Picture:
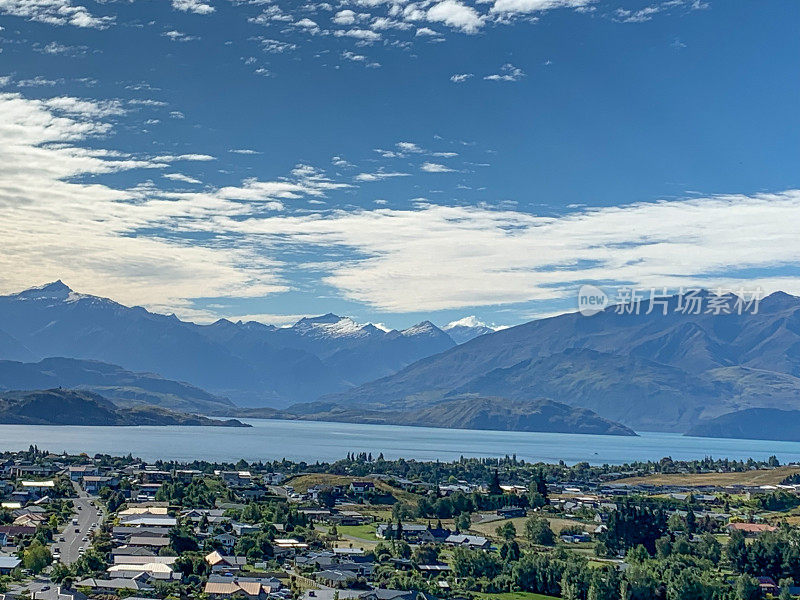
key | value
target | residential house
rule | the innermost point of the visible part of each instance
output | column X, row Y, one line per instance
column 359, row 488
column 470, row 541
column 511, row 512
column 94, row 483
column 8, row 564
column 335, row 578
column 226, row 540
column 234, row 587
column 750, row 529
column 138, row 584
column 244, row 528
column 222, row 563
column 78, row 472
column 16, row 533
column 411, row 532
column 58, row 593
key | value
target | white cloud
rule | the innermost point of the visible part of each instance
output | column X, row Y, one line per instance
column 54, row 12
column 275, row 46
column 344, row 17
column 430, row 167
column 80, row 107
column 179, row 36
column 455, row 14
column 59, row 49
column 347, row 54
column 243, row 151
column 197, row 7
column 93, row 235
column 360, row 34
column 508, row 72
column 177, row 157
column 409, row 147
column 181, row 177
column 488, row 257
column 37, row 81
column 379, row 175
column 461, row 77
column 530, row 6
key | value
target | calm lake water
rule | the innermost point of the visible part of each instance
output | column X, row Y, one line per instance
column 312, row 441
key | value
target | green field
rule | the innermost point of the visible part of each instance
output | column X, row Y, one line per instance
column 362, row 532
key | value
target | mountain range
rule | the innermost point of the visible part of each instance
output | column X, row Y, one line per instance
column 251, row 363
column 659, row 372
column 651, row 371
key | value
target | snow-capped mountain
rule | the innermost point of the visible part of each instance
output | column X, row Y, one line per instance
column 251, row 363
column 466, row 329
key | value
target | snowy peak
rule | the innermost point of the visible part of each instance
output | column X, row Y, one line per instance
column 463, row 330
column 57, row 290
column 425, row 328
column 333, row 326
column 327, row 319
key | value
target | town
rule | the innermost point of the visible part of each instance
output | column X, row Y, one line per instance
column 364, row 527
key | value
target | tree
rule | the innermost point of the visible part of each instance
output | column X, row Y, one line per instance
column 747, row 588
column 463, row 521
column 427, row 554
column 736, row 551
column 691, row 522
column 494, row 485
column 538, row 490
column 36, row 557
column 537, row 531
column 507, row 531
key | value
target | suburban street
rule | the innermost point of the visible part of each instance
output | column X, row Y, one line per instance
column 86, row 514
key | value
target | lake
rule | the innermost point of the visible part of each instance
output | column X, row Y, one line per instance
column 312, row 441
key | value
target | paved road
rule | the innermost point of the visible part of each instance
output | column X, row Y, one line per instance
column 24, row 590
column 86, row 514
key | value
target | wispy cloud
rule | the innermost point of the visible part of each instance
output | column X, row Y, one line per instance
column 430, row 167
column 508, row 72
column 461, row 77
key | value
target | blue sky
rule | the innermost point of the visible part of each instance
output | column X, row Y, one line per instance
column 396, row 160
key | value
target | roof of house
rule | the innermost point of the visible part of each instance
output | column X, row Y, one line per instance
column 752, row 527
column 148, row 540
column 144, row 560
column 332, row 575
column 9, row 562
column 150, row 567
column 470, row 540
column 251, row 588
column 116, row 584
column 215, row 558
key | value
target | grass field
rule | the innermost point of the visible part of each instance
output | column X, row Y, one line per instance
column 301, row 483
column 362, row 532
column 556, row 524
column 759, row 477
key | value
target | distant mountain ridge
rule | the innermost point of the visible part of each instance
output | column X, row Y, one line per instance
column 498, row 414
column 250, row 363
column 122, row 387
column 754, row 424
column 71, row 407
column 662, row 372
